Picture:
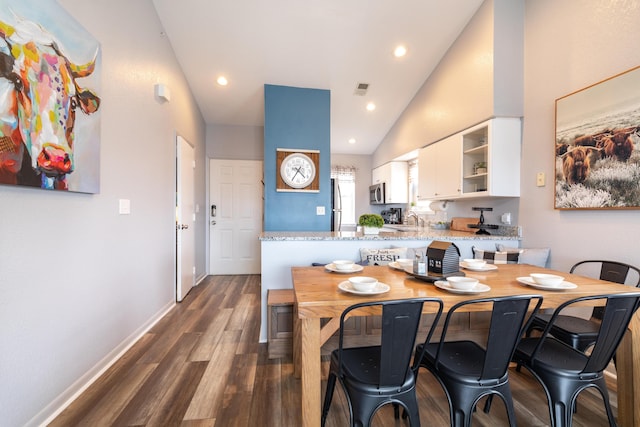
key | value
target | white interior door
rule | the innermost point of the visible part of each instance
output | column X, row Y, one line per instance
column 235, row 216
column 185, row 218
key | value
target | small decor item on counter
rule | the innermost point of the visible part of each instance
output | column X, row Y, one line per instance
column 440, row 225
column 419, row 264
column 371, row 223
column 481, row 226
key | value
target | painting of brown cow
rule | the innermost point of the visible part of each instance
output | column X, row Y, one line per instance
column 40, row 93
column 576, row 165
column 619, row 146
column 600, row 127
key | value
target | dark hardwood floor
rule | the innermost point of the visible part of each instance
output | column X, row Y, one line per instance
column 202, row 365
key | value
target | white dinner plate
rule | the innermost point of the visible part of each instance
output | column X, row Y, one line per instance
column 396, row 265
column 561, row 287
column 355, row 269
column 477, row 289
column 380, row 288
column 486, row 267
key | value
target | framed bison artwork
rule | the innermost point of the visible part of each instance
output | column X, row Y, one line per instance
column 49, row 98
column 596, row 152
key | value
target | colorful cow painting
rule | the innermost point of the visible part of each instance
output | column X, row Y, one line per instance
column 39, row 96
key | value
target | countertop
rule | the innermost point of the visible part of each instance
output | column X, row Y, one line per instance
column 419, row 234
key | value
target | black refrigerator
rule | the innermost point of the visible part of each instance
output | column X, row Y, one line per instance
column 336, row 206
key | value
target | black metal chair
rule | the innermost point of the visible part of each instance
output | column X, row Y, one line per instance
column 576, row 331
column 373, row 376
column 565, row 371
column 468, row 371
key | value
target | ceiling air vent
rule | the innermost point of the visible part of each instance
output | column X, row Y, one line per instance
column 361, row 89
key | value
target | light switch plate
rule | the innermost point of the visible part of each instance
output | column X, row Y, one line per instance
column 540, row 179
column 124, row 206
column 319, row 210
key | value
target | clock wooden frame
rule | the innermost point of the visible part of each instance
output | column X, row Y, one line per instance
column 281, row 185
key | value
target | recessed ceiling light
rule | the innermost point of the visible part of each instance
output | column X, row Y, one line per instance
column 352, row 140
column 400, row 51
column 371, row 106
column 222, row 81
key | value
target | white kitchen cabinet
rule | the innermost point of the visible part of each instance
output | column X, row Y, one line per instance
column 439, row 170
column 494, row 146
column 481, row 161
column 395, row 175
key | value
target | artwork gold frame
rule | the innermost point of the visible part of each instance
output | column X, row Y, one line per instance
column 597, row 155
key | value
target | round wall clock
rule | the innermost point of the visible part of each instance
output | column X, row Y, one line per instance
column 298, row 170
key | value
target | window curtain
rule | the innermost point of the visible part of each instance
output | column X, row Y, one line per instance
column 346, row 174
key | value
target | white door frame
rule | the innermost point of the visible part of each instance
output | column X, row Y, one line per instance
column 185, row 218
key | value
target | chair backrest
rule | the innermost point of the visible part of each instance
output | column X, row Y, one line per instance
column 617, row 313
column 612, row 271
column 400, row 321
column 508, row 322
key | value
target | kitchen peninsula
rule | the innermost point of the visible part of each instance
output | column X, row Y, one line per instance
column 282, row 250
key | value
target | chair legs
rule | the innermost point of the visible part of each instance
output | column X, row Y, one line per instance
column 363, row 409
column 563, row 401
column 328, row 396
column 462, row 412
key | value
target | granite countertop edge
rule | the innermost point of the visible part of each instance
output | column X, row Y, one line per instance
column 426, row 234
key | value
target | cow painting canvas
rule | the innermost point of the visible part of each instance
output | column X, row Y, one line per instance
column 597, row 149
column 49, row 98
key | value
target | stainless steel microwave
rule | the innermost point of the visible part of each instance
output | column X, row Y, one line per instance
column 376, row 194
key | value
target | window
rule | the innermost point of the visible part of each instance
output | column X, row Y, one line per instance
column 346, row 176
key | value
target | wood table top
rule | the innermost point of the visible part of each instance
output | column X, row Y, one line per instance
column 317, row 293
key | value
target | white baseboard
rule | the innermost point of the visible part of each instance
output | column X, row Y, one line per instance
column 200, row 279
column 53, row 409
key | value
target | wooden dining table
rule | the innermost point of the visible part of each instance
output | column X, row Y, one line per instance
column 318, row 296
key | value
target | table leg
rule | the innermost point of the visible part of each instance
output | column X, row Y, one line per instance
column 311, row 371
column 296, row 342
column 627, row 368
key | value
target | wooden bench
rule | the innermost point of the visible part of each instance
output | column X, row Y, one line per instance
column 280, row 323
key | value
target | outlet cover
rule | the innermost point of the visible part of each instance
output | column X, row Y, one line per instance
column 319, row 210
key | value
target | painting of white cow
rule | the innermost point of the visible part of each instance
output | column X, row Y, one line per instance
column 49, row 102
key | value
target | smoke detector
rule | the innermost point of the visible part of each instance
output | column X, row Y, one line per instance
column 361, row 89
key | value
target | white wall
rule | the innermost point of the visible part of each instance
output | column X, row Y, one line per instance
column 571, row 44
column 464, row 89
column 235, row 142
column 78, row 281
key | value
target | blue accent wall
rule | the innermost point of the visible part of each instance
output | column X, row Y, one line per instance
column 296, row 118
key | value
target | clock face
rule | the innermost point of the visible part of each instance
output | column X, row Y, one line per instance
column 297, row 170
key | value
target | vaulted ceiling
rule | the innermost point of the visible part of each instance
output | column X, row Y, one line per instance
column 323, row 44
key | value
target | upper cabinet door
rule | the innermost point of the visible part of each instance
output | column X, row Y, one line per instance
column 395, row 175
column 439, row 166
column 491, row 158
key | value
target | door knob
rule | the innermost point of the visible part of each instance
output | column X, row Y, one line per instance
column 183, row 226
column 213, row 222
